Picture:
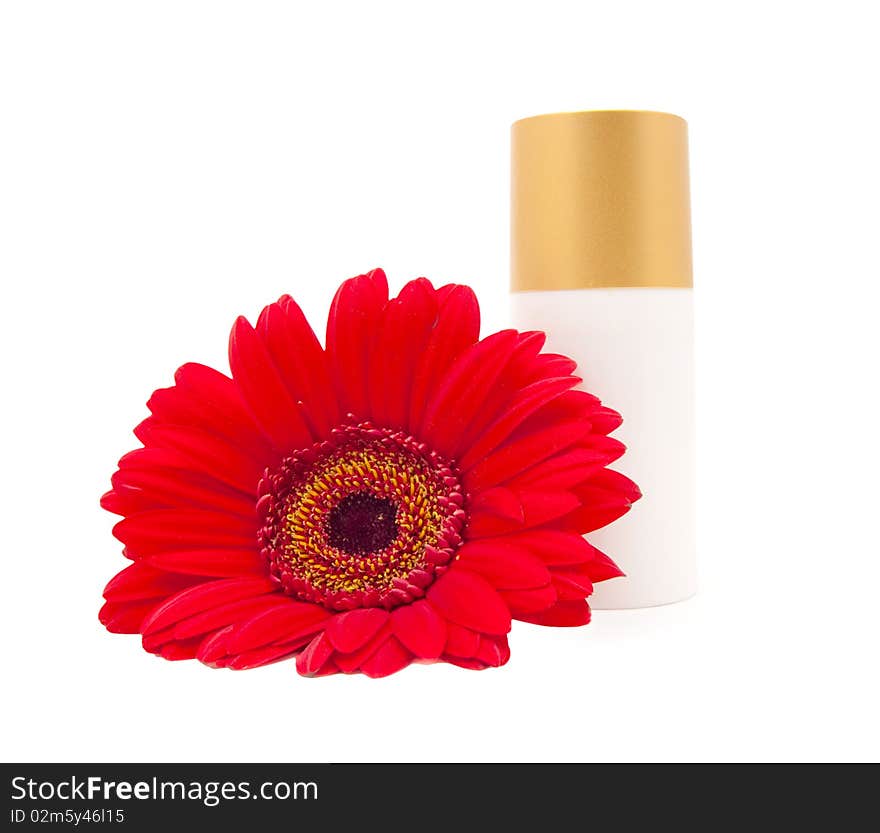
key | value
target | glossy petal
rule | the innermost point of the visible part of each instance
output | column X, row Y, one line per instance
column 391, row 657
column 350, row 631
column 420, row 629
column 505, row 566
column 564, row 614
column 457, row 327
column 467, row 599
column 355, row 315
column 264, row 391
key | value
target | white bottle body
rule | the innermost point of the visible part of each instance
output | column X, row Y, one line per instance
column 634, row 349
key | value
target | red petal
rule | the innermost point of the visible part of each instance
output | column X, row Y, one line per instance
column 125, row 500
column 175, row 529
column 206, row 399
column 171, row 488
column 264, row 655
column 460, row 394
column 301, row 364
column 467, row 599
column 458, row 326
column 313, row 357
column 555, row 547
column 524, row 404
column 602, row 568
column 494, row 652
column 552, row 364
column 499, row 501
column 505, row 566
column 349, row 663
column 461, row 642
column 353, row 629
column 604, row 498
column 400, row 341
column 570, row 586
column 212, row 649
column 568, row 468
column 279, row 625
column 215, row 562
column 567, row 614
column 420, row 629
column 205, row 596
column 528, row 600
column 470, row 664
column 605, row 420
column 539, row 507
column 139, row 581
column 310, row 662
column 262, row 389
column 391, row 657
column 228, row 614
column 195, row 448
column 353, row 320
column 125, row 617
column 520, row 454
column 174, row 651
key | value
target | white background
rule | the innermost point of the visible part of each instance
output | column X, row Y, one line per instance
column 168, row 165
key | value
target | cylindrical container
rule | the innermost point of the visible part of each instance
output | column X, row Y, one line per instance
column 601, row 260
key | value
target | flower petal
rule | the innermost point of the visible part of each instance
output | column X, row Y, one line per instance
column 524, row 404
column 301, row 363
column 351, row 662
column 569, row 468
column 185, row 488
column 603, row 499
column 400, row 341
column 468, row 599
column 195, row 448
column 391, row 657
column 125, row 617
column 528, row 600
column 278, row 625
column 176, row 529
column 420, row 629
column 206, row 399
column 505, row 566
column 263, row 391
column 232, row 613
column 538, row 507
column 315, row 656
column 139, row 581
column 567, row 614
column 522, row 453
column 217, row 563
column 461, row 641
column 458, row 327
column 203, row 597
column 265, row 655
column 499, row 501
column 493, row 651
column 460, row 394
column 353, row 629
column 555, row 547
column 570, row 585
column 353, row 320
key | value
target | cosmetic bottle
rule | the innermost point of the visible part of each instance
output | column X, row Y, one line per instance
column 601, row 260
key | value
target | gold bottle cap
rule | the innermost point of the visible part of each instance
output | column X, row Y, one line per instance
column 600, row 198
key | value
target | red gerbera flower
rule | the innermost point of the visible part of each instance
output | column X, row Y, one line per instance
column 397, row 496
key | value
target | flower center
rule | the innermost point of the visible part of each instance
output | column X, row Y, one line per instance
column 368, row 518
column 362, row 523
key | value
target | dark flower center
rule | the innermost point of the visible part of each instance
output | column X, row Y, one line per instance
column 368, row 517
column 362, row 523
